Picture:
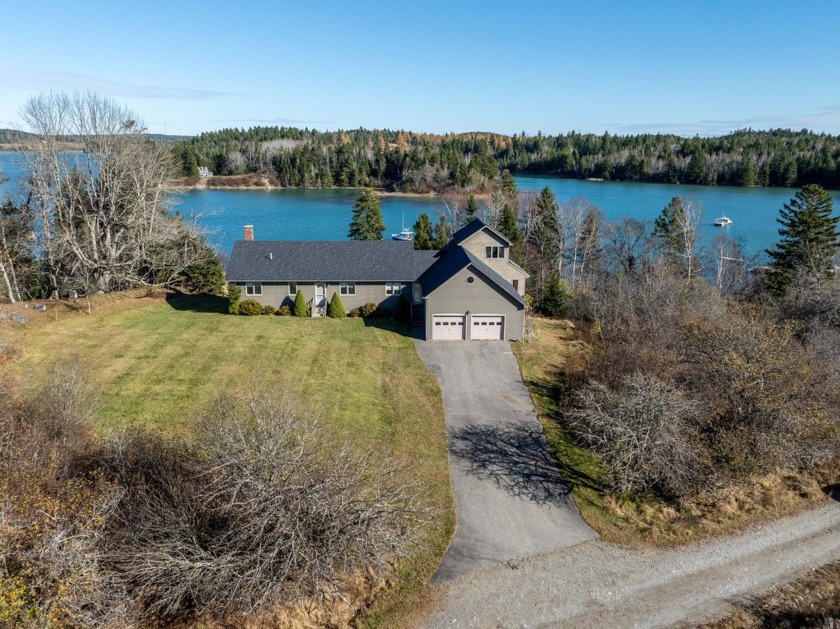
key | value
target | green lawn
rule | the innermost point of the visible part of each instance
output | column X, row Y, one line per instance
column 158, row 361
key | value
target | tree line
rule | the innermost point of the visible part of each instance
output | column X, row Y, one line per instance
column 422, row 162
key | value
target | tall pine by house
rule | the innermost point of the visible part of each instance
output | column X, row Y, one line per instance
column 810, row 238
column 423, row 232
column 367, row 221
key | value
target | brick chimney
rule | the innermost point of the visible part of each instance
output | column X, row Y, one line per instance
column 249, row 232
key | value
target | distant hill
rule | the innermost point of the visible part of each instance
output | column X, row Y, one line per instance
column 13, row 137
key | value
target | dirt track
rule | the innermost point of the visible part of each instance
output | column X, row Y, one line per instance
column 595, row 584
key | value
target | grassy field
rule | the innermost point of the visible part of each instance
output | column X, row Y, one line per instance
column 557, row 352
column 159, row 360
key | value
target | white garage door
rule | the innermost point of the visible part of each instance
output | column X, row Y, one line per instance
column 487, row 328
column 448, row 327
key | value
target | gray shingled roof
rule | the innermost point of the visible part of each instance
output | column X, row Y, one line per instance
column 326, row 261
column 474, row 226
column 453, row 261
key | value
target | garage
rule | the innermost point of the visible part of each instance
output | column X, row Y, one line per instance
column 487, row 328
column 448, row 327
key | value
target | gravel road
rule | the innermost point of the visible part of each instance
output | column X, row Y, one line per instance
column 597, row 585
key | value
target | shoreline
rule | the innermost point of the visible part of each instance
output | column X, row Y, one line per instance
column 186, row 185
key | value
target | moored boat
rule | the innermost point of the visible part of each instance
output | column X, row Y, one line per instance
column 723, row 221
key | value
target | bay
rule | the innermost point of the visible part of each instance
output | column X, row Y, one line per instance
column 324, row 214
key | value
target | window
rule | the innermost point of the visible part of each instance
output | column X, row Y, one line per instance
column 293, row 288
column 470, row 279
column 494, row 252
column 515, row 284
column 347, row 289
column 253, row 289
column 393, row 288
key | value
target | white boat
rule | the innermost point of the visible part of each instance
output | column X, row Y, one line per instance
column 723, row 221
column 405, row 234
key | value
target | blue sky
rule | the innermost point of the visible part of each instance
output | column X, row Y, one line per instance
column 624, row 67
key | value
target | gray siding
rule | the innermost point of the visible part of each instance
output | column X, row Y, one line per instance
column 480, row 298
column 277, row 294
column 476, row 244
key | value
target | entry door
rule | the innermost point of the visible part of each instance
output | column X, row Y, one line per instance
column 321, row 299
column 487, row 328
column 448, row 327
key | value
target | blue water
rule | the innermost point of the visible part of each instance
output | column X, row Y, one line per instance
column 325, row 214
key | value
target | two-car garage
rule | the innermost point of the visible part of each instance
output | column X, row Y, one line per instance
column 480, row 327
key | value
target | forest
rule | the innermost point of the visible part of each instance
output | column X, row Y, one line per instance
column 421, row 162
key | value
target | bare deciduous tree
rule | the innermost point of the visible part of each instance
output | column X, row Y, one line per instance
column 101, row 214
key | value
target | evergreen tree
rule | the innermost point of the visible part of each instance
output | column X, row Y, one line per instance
column 546, row 231
column 300, row 309
column 809, row 237
column 423, row 236
column 335, row 308
column 472, row 209
column 367, row 217
column 234, row 298
column 556, row 298
column 441, row 234
column 508, row 227
column 696, row 171
column 676, row 225
column 508, row 185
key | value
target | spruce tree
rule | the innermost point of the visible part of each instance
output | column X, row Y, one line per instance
column 809, row 237
column 676, row 225
column 335, row 309
column 367, row 217
column 508, row 227
column 472, row 209
column 423, row 236
column 441, row 234
column 300, row 309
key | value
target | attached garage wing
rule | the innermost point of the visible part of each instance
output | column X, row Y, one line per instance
column 487, row 328
column 448, row 327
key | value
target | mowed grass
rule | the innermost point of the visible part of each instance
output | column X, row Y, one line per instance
column 159, row 362
column 557, row 356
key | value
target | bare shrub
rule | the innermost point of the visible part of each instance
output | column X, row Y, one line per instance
column 771, row 399
column 647, row 433
column 267, row 509
column 51, row 525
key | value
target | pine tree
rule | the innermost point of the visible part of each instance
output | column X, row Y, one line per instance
column 508, row 227
column 300, row 309
column 423, row 236
column 677, row 225
column 234, row 298
column 367, row 217
column 810, row 237
column 441, row 234
column 472, row 209
column 335, row 309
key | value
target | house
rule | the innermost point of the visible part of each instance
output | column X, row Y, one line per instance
column 469, row 290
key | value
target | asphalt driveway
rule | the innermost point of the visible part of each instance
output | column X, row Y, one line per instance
column 510, row 498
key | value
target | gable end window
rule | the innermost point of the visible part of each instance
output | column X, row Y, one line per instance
column 347, row 288
column 293, row 288
column 393, row 288
column 494, row 252
column 253, row 289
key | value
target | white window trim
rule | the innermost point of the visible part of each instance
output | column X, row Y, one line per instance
column 393, row 288
column 254, row 289
column 293, row 292
column 347, row 288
